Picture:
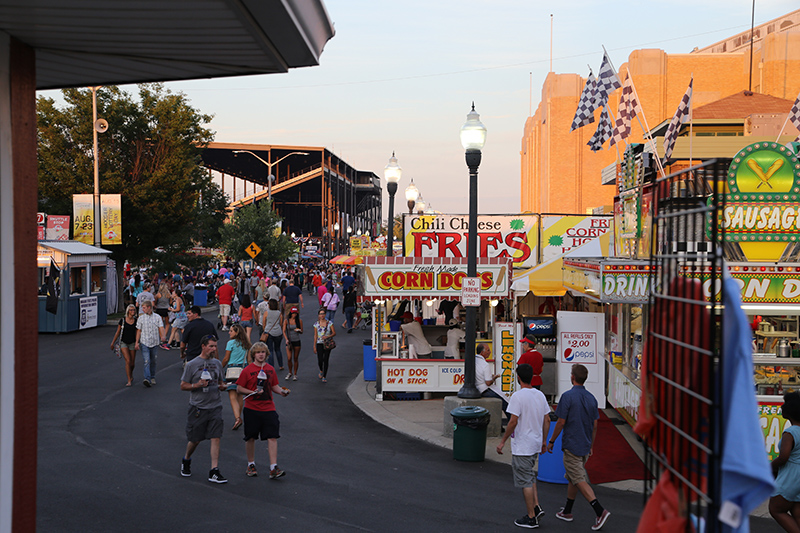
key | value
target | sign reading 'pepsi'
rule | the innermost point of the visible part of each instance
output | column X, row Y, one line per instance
column 540, row 326
column 579, row 347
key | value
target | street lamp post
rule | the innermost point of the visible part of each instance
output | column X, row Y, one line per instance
column 392, row 173
column 412, row 193
column 336, row 233
column 473, row 138
column 270, row 177
column 419, row 206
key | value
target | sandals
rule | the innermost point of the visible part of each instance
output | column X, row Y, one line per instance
column 237, row 424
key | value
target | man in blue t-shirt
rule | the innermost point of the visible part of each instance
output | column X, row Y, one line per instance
column 577, row 416
column 292, row 295
column 347, row 281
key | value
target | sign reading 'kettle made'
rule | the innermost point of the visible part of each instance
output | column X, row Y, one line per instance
column 763, row 202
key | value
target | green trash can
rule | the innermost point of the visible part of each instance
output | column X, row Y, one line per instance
column 469, row 432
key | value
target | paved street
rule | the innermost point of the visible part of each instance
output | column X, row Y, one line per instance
column 109, row 458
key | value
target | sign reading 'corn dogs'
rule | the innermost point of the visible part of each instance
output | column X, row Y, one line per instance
column 432, row 280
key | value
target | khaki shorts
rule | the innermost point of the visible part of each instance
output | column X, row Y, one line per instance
column 575, row 467
column 224, row 310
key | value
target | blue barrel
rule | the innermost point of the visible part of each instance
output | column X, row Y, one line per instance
column 370, row 368
column 551, row 465
column 200, row 296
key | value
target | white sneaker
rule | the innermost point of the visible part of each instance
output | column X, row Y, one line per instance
column 288, row 376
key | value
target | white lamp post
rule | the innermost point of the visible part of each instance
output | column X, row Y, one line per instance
column 412, row 193
column 392, row 173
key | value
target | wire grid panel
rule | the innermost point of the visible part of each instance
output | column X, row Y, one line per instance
column 681, row 374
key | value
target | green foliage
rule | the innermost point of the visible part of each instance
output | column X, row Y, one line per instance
column 256, row 223
column 150, row 154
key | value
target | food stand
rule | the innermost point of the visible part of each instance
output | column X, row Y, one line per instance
column 424, row 283
column 81, row 285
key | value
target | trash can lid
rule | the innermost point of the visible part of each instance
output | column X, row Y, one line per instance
column 469, row 411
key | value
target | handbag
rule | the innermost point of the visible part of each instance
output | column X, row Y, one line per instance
column 328, row 343
column 232, row 373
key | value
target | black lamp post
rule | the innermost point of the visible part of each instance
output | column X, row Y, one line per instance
column 473, row 138
column 412, row 193
column 392, row 173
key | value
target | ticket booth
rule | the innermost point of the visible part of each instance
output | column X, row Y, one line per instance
column 81, row 285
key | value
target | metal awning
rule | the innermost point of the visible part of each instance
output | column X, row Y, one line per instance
column 104, row 42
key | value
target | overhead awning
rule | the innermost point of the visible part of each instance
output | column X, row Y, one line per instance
column 347, row 260
column 546, row 279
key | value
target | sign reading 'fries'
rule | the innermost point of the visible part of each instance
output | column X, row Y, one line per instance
column 763, row 195
column 431, row 280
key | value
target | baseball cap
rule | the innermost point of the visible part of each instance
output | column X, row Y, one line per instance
column 226, row 280
column 529, row 340
column 452, row 322
column 408, row 315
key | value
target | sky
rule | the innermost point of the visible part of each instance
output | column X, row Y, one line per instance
column 401, row 76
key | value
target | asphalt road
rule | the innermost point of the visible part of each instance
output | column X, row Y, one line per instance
column 109, row 458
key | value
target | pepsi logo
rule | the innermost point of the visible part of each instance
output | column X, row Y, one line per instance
column 568, row 354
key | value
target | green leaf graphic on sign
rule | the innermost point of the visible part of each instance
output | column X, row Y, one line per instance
column 555, row 240
column 517, row 224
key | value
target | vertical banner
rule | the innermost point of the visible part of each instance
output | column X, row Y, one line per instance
column 58, row 228
column 581, row 339
column 504, row 358
column 111, row 218
column 83, row 214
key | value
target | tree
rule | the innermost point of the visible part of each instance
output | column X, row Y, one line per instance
column 256, row 224
column 150, row 154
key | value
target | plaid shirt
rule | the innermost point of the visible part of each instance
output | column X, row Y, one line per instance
column 149, row 324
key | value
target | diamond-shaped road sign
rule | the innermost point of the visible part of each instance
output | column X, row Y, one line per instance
column 253, row 250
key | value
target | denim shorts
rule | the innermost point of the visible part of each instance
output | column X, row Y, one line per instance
column 246, row 323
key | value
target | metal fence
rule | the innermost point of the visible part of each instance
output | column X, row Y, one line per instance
column 681, row 372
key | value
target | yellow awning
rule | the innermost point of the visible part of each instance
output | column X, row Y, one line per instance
column 541, row 280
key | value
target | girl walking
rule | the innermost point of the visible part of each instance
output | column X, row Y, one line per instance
column 292, row 329
column 127, row 341
column 235, row 358
column 324, row 332
column 272, row 323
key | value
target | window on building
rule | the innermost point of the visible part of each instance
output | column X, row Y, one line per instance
column 77, row 281
column 98, row 279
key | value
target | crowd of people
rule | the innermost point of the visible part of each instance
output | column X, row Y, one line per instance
column 160, row 314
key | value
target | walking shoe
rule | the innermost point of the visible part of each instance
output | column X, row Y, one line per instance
column 146, row 383
column 538, row 512
column 214, row 476
column 251, row 471
column 294, row 378
column 527, row 521
column 288, row 376
column 164, row 346
column 566, row 517
column 186, row 467
column 152, row 381
column 276, row 472
column 601, row 520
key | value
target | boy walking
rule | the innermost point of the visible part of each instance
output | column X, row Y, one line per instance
column 528, row 427
column 257, row 382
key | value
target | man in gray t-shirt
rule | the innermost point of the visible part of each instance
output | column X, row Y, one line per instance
column 203, row 379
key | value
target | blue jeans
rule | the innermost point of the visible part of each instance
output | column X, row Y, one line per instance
column 274, row 346
column 349, row 314
column 149, row 356
column 330, row 314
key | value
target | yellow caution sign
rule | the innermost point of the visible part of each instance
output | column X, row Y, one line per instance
column 253, row 250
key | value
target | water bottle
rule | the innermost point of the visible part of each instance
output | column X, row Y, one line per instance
column 207, row 376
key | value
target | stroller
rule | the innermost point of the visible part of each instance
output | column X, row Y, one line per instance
column 365, row 315
column 232, row 319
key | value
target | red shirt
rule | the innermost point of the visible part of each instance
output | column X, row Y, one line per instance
column 249, row 380
column 534, row 358
column 225, row 294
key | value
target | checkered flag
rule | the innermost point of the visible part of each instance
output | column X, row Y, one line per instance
column 794, row 115
column 602, row 133
column 628, row 109
column 586, row 105
column 607, row 82
column 682, row 115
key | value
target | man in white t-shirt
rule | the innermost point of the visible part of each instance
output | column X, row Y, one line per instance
column 414, row 336
column 528, row 428
column 486, row 379
column 454, row 336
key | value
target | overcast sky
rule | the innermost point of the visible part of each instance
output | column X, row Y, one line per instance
column 401, row 76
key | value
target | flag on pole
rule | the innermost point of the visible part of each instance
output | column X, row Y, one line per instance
column 602, row 133
column 628, row 109
column 682, row 115
column 53, row 284
column 607, row 82
column 586, row 105
column 794, row 115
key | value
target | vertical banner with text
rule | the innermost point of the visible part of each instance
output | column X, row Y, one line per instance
column 111, row 218
column 504, row 358
column 83, row 214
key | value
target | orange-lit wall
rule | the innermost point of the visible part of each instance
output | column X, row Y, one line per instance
column 558, row 171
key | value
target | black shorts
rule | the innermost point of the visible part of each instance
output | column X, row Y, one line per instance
column 295, row 344
column 203, row 424
column 264, row 424
column 163, row 313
